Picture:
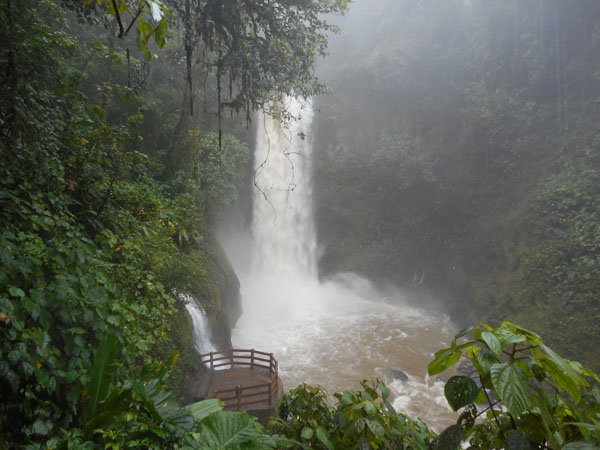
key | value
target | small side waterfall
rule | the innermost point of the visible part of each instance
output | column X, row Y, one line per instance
column 201, row 334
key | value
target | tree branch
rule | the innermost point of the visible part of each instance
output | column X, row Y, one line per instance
column 133, row 21
column 119, row 21
column 494, row 413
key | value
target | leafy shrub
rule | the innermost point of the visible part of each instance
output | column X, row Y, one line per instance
column 531, row 397
column 364, row 419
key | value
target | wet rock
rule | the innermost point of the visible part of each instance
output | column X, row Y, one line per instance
column 396, row 375
column 223, row 296
column 196, row 385
column 441, row 379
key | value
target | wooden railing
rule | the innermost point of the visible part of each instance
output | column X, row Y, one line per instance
column 243, row 396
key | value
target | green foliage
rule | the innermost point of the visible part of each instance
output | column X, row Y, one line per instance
column 100, row 376
column 141, row 14
column 460, row 391
column 548, row 401
column 257, row 53
column 228, row 430
column 88, row 241
column 560, row 271
column 217, row 171
column 364, row 419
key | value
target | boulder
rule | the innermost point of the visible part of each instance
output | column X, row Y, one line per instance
column 396, row 375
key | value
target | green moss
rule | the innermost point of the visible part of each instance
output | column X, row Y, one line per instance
column 182, row 340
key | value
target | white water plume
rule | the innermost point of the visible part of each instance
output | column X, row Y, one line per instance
column 201, row 334
column 284, row 237
column 333, row 333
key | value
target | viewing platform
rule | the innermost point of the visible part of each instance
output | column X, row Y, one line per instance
column 245, row 380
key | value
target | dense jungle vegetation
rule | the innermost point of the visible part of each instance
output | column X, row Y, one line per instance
column 122, row 146
column 459, row 155
column 114, row 166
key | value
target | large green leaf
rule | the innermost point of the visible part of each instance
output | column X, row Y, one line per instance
column 322, row 436
column 160, row 32
column 180, row 417
column 100, row 377
column 507, row 337
column 443, row 359
column 463, row 332
column 204, row 408
column 486, row 359
column 561, row 379
column 228, row 430
column 376, row 428
column 108, row 409
column 511, row 387
column 530, row 336
column 492, row 342
column 565, row 366
column 307, row 433
column 460, row 391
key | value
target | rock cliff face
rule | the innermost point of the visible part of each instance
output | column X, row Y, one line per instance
column 220, row 298
column 225, row 286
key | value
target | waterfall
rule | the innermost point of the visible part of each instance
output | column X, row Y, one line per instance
column 332, row 333
column 201, row 334
column 283, row 228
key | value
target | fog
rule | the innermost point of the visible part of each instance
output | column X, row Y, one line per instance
column 430, row 157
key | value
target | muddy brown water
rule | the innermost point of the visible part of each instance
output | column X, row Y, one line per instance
column 328, row 335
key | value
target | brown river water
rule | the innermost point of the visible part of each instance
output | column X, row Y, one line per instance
column 326, row 334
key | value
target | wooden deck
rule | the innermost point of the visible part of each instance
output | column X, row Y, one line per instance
column 245, row 380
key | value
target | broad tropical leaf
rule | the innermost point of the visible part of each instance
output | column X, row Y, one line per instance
column 307, row 433
column 561, row 379
column 578, row 445
column 460, row 391
column 486, row 359
column 443, row 359
column 492, row 342
column 227, row 430
column 100, row 377
column 516, row 440
column 463, row 332
column 512, row 388
column 204, row 408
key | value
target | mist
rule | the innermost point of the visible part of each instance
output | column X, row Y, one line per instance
column 454, row 136
column 434, row 160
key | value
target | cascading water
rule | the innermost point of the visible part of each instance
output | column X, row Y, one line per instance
column 334, row 333
column 201, row 335
column 284, row 237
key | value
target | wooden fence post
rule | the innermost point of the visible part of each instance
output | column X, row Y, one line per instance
column 211, row 360
column 270, row 394
column 252, row 359
column 238, row 394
